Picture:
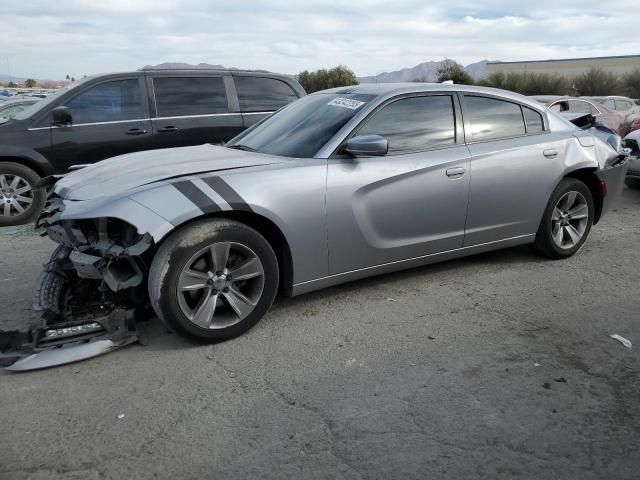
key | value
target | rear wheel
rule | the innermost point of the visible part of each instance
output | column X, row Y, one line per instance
column 567, row 220
column 19, row 202
column 213, row 280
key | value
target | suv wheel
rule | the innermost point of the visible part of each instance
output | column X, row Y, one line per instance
column 19, row 202
column 567, row 220
column 213, row 280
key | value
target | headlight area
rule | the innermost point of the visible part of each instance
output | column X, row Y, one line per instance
column 91, row 294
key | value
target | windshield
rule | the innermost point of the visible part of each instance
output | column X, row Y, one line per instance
column 303, row 127
column 36, row 107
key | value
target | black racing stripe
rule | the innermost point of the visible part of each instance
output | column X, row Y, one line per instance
column 197, row 196
column 229, row 194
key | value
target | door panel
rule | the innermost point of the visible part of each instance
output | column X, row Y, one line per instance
column 386, row 209
column 510, row 187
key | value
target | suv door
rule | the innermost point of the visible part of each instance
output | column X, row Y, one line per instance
column 108, row 119
column 259, row 97
column 515, row 164
column 193, row 109
column 411, row 202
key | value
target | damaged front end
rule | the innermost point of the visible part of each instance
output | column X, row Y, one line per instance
column 90, row 294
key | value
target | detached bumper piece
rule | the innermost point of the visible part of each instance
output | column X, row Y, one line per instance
column 78, row 321
column 67, row 342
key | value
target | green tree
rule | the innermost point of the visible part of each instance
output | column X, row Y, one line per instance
column 30, row 83
column 73, row 79
column 597, row 81
column 631, row 83
column 529, row 83
column 322, row 79
column 451, row 70
column 12, row 85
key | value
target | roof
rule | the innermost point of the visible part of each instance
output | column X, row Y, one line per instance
column 391, row 89
column 567, row 59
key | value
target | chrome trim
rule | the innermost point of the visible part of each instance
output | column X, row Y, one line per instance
column 258, row 113
column 338, row 278
column 198, row 116
column 88, row 124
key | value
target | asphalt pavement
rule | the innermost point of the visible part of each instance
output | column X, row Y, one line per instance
column 495, row 366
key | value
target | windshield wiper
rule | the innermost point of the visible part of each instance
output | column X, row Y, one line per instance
column 242, row 147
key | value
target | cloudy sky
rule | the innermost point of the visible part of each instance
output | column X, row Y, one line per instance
column 48, row 39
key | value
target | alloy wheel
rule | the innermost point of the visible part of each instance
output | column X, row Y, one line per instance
column 16, row 195
column 569, row 220
column 220, row 285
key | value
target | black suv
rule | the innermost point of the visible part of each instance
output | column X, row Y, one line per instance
column 108, row 115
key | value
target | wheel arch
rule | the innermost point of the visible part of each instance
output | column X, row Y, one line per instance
column 269, row 230
column 589, row 178
column 29, row 162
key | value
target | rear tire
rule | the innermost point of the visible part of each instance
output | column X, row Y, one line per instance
column 567, row 220
column 19, row 202
column 633, row 183
column 213, row 280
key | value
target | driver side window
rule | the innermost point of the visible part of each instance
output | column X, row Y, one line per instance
column 108, row 102
column 414, row 124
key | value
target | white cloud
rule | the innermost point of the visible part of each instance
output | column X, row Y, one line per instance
column 48, row 39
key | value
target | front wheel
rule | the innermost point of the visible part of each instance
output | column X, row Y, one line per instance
column 19, row 202
column 213, row 280
column 567, row 220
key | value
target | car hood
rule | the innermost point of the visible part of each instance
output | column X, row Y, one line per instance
column 119, row 174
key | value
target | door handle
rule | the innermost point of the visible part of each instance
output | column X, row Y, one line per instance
column 456, row 172
column 168, row 129
column 550, row 153
column 135, row 131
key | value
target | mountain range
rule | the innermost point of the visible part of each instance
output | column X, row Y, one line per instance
column 427, row 72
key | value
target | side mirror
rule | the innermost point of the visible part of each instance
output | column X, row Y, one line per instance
column 61, row 116
column 367, row 146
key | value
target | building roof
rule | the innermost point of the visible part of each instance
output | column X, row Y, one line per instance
column 615, row 57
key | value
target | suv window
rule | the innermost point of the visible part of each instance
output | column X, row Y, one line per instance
column 623, row 105
column 258, row 94
column 108, row 102
column 609, row 103
column 414, row 124
column 492, row 118
column 533, row 120
column 182, row 96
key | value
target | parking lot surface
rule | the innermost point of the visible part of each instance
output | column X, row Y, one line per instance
column 494, row 366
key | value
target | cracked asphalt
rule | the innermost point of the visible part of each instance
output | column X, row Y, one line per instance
column 495, row 366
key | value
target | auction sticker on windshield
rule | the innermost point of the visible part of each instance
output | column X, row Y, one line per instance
column 346, row 103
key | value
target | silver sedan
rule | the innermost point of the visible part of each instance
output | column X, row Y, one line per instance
column 337, row 186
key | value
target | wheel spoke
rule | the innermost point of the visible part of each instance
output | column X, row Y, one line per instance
column 573, row 233
column 191, row 280
column 7, row 209
column 578, row 212
column 14, row 182
column 250, row 269
column 206, row 309
column 22, row 199
column 570, row 200
column 220, row 255
column 557, row 234
column 240, row 304
column 18, row 207
column 556, row 214
column 3, row 181
column 26, row 189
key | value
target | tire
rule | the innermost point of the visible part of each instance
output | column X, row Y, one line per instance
column 556, row 225
column 194, row 295
column 633, row 183
column 16, row 193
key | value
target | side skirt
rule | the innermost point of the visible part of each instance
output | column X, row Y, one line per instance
column 320, row 283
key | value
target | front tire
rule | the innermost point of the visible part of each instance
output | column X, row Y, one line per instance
column 213, row 280
column 19, row 202
column 567, row 220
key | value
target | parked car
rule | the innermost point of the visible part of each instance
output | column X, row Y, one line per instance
column 632, row 142
column 339, row 185
column 624, row 105
column 11, row 108
column 107, row 115
column 611, row 119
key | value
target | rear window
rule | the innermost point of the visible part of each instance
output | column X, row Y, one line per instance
column 491, row 118
column 533, row 120
column 258, row 94
column 184, row 96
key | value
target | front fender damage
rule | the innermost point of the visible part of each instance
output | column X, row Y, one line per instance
column 91, row 294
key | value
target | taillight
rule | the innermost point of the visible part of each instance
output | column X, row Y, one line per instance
column 602, row 186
